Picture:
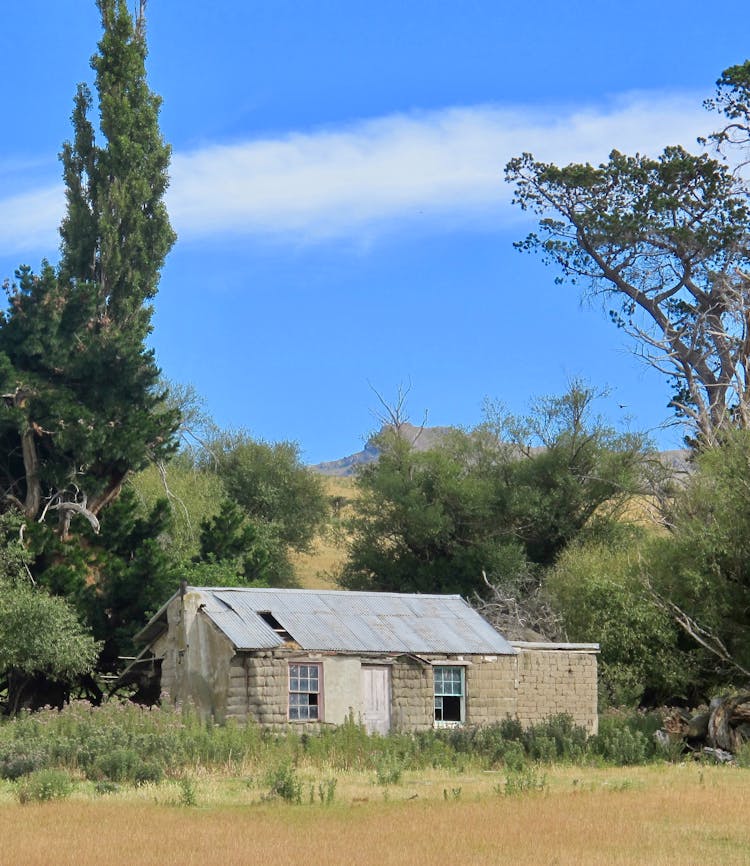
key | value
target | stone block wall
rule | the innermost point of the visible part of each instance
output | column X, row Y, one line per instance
column 412, row 696
column 267, row 687
column 490, row 689
column 557, row 681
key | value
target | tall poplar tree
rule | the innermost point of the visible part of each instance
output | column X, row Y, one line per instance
column 81, row 404
column 81, row 407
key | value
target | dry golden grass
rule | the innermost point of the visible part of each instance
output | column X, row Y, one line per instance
column 652, row 815
column 315, row 570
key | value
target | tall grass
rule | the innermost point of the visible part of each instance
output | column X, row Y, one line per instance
column 122, row 742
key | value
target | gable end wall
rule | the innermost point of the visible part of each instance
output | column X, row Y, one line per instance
column 557, row 681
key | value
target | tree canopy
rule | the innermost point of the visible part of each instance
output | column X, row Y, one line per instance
column 509, row 493
column 81, row 404
column 666, row 242
column 82, row 407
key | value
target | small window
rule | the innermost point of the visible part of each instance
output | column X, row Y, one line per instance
column 304, row 692
column 449, row 696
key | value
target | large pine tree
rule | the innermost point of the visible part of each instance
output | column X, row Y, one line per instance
column 81, row 406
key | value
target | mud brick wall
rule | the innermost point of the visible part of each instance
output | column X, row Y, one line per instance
column 267, row 678
column 558, row 681
column 413, row 697
column 237, row 703
column 490, row 689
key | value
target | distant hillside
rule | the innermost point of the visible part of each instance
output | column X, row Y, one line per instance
column 423, row 438
column 427, row 437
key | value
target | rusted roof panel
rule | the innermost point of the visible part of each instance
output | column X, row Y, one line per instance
column 352, row 621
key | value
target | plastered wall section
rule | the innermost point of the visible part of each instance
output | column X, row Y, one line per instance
column 197, row 659
column 557, row 681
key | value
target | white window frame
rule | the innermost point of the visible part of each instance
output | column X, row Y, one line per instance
column 305, row 688
column 449, row 681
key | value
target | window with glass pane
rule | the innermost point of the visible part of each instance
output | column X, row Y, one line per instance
column 304, row 692
column 449, row 694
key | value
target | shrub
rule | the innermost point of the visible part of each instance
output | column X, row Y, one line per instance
column 525, row 781
column 18, row 760
column 283, row 784
column 388, row 769
column 44, row 785
column 556, row 738
column 188, row 793
column 618, row 743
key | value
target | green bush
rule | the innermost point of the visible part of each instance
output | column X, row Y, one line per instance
column 283, row 784
column 525, row 781
column 556, row 738
column 389, row 769
column 44, row 785
column 18, row 760
column 618, row 742
column 188, row 793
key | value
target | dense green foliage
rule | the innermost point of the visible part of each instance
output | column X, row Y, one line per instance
column 270, row 484
column 40, row 635
column 239, row 507
column 600, row 593
column 82, row 405
column 512, row 492
column 701, row 571
column 124, row 743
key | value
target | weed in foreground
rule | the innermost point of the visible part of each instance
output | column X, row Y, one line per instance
column 525, row 781
column 44, row 785
column 188, row 793
column 283, row 784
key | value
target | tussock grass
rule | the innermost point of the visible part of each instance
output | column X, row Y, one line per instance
column 647, row 815
column 317, row 568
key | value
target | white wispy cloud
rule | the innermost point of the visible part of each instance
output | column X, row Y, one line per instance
column 29, row 221
column 426, row 168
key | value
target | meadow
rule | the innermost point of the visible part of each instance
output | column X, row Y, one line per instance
column 655, row 814
column 120, row 784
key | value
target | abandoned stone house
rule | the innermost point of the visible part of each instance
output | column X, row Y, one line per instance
column 391, row 661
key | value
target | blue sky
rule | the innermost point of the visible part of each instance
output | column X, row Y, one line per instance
column 337, row 192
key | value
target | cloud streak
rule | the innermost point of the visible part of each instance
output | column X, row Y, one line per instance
column 429, row 169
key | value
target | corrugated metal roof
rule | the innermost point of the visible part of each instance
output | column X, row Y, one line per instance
column 332, row 620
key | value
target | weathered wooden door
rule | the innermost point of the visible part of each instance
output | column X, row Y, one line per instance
column 376, row 699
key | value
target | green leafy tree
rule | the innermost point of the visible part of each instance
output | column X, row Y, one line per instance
column 270, row 484
column 700, row 573
column 510, row 493
column 428, row 521
column 250, row 551
column 600, row 593
column 570, row 475
column 665, row 243
column 41, row 637
column 194, row 494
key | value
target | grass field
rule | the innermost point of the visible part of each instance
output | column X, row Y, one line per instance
column 657, row 814
column 315, row 569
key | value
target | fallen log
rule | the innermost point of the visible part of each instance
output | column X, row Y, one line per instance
column 726, row 722
column 721, row 729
